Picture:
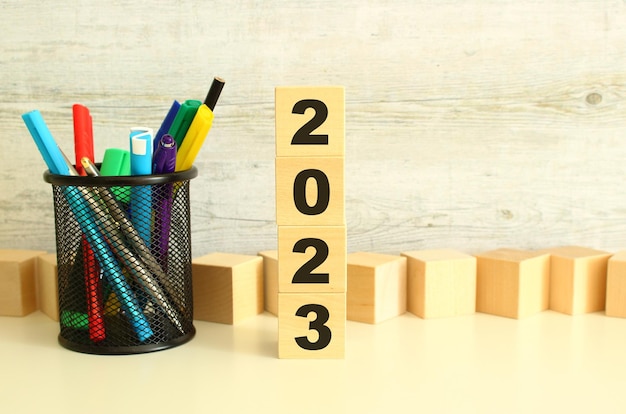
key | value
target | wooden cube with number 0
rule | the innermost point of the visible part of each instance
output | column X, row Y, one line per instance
column 312, row 259
column 310, row 121
column 310, row 191
column 311, row 325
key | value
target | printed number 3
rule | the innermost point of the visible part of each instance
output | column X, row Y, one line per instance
column 324, row 333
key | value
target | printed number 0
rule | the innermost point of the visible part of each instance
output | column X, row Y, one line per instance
column 303, row 136
column 324, row 333
column 323, row 192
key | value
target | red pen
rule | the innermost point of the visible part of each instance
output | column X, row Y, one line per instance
column 83, row 147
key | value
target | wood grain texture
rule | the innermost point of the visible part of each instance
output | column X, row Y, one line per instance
column 469, row 125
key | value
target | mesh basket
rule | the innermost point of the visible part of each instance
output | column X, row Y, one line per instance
column 124, row 262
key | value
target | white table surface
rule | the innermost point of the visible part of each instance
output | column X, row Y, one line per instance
column 472, row 364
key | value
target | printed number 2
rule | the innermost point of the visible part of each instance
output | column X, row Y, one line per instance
column 304, row 273
column 304, row 135
column 324, row 333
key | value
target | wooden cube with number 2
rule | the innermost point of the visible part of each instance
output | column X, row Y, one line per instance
column 310, row 121
column 312, row 259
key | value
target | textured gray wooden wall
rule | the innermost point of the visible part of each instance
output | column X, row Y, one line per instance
column 469, row 124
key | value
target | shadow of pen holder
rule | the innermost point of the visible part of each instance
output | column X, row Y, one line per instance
column 123, row 261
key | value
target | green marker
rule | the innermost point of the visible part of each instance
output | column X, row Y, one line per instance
column 116, row 162
column 183, row 119
column 76, row 320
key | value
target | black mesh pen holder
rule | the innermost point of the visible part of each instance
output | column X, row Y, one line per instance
column 123, row 261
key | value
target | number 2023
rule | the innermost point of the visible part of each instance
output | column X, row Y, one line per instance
column 305, row 136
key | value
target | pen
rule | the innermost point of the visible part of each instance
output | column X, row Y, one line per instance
column 166, row 124
column 214, row 93
column 107, row 261
column 57, row 165
column 163, row 162
column 83, row 147
column 183, row 120
column 131, row 234
column 132, row 263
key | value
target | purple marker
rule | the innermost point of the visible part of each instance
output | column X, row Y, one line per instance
column 164, row 158
column 163, row 162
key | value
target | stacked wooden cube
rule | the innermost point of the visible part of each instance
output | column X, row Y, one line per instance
column 310, row 214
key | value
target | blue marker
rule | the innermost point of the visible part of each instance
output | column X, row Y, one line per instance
column 166, row 125
column 140, row 196
column 45, row 143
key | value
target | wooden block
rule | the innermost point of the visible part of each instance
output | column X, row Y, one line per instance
column 512, row 283
column 577, row 279
column 270, row 280
column 227, row 288
column 308, row 256
column 311, row 325
column 310, row 191
column 376, row 288
column 310, row 115
column 47, row 288
column 616, row 285
column 18, row 295
column 441, row 283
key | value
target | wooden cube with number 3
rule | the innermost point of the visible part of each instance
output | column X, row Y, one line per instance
column 310, row 121
column 311, row 325
column 312, row 259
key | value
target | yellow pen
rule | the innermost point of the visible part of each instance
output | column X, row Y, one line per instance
column 196, row 134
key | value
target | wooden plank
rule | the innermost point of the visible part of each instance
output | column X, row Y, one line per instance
column 469, row 125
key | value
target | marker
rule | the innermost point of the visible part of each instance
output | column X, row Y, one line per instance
column 45, row 143
column 166, row 124
column 194, row 139
column 116, row 162
column 163, row 162
column 83, row 147
column 214, row 93
column 83, row 135
column 140, row 151
column 164, row 157
column 140, row 196
column 183, row 120
column 76, row 320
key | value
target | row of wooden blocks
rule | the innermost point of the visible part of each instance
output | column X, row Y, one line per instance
column 431, row 284
column 229, row 288
column 28, row 281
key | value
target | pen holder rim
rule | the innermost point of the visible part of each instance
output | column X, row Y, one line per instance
column 122, row 180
